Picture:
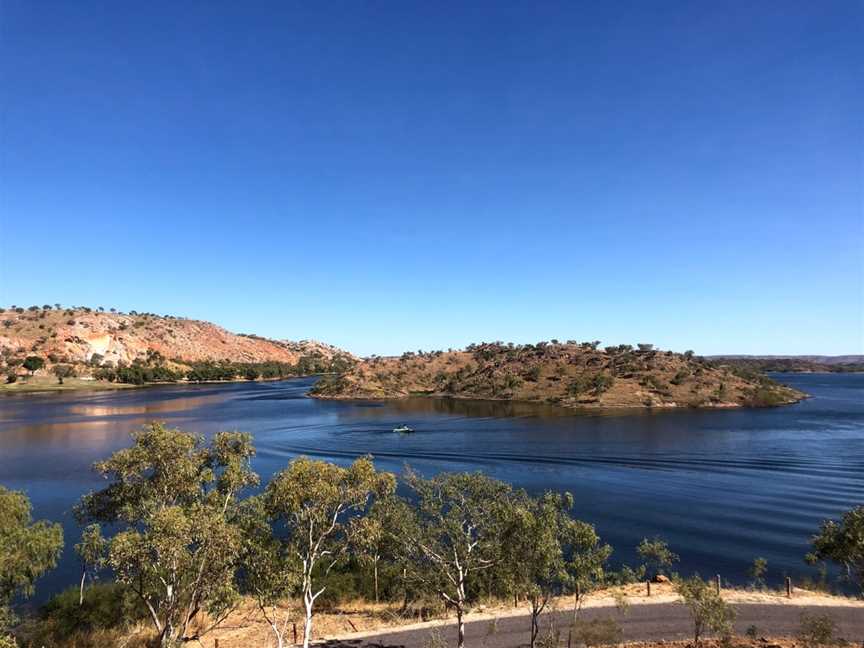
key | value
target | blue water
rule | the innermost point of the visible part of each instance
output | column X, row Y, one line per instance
column 721, row 486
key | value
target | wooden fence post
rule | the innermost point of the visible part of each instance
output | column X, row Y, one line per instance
column 648, row 587
column 294, row 628
column 788, row 587
column 717, row 580
column 569, row 637
column 215, row 643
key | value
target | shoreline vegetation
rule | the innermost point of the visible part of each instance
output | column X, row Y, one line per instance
column 184, row 539
column 43, row 384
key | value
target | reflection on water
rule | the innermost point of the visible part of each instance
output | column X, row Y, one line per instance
column 150, row 409
column 722, row 486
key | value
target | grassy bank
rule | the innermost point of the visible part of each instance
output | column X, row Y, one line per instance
column 50, row 384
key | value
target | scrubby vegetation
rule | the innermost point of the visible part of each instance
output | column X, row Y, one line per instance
column 570, row 374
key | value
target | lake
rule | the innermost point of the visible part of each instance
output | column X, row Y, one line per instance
column 723, row 487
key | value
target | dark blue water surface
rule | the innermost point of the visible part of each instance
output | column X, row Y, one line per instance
column 722, row 486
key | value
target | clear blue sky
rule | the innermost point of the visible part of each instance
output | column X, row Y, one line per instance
column 401, row 175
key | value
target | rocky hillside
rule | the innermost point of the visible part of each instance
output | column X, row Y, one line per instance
column 571, row 374
column 88, row 339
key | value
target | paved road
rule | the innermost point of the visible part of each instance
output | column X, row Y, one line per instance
column 667, row 621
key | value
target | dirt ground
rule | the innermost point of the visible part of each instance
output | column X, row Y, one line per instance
column 247, row 628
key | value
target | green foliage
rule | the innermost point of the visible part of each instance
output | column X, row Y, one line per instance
column 548, row 552
column 376, row 536
column 708, row 609
column 268, row 572
column 679, row 377
column 757, row 572
column 172, row 501
column 27, row 550
column 107, row 606
column 596, row 384
column 312, row 500
column 657, row 556
column 33, row 363
column 154, row 369
column 765, row 396
column 816, row 629
column 463, row 522
column 63, row 371
column 843, row 543
column 92, row 552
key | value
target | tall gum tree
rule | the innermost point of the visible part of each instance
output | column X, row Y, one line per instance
column 314, row 501
column 551, row 553
column 173, row 502
column 463, row 524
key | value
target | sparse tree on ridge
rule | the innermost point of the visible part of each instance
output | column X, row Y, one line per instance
column 33, row 364
column 62, row 371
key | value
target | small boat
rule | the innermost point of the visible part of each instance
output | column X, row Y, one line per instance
column 403, row 429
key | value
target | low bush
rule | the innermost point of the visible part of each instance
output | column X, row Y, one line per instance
column 106, row 606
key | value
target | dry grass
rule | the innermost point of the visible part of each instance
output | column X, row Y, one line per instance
column 246, row 627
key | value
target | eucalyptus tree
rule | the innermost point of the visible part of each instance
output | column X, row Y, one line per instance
column 27, row 550
column 62, row 371
column 463, row 522
column 270, row 572
column 375, row 537
column 549, row 552
column 657, row 556
column 843, row 543
column 92, row 555
column 172, row 501
column 708, row 610
column 314, row 502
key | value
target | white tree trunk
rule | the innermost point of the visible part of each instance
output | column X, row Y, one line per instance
column 308, row 601
column 280, row 642
column 376, row 581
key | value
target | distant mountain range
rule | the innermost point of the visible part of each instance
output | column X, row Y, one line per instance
column 820, row 359
column 791, row 363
